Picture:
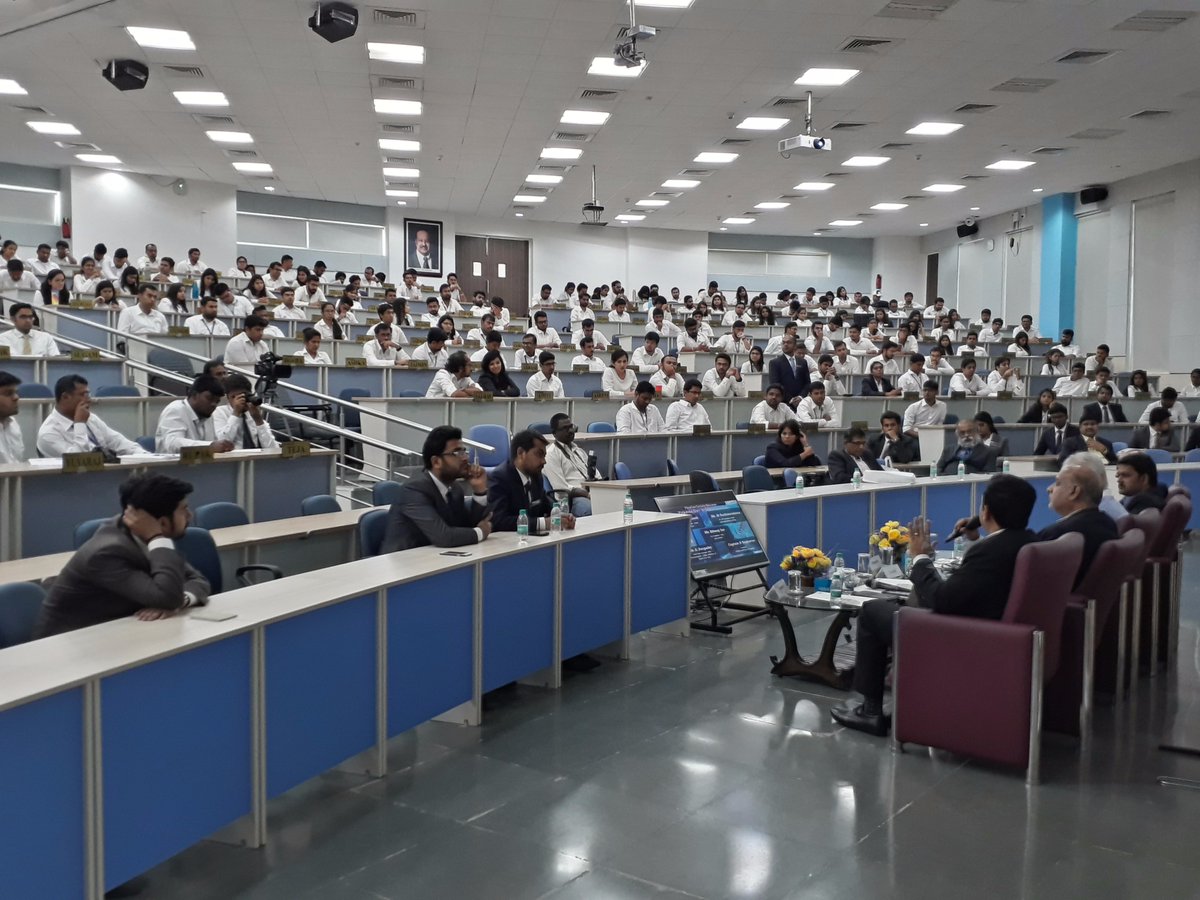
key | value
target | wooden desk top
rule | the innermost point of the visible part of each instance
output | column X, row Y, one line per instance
column 47, row 466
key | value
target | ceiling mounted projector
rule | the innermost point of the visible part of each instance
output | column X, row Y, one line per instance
column 126, row 74
column 334, row 21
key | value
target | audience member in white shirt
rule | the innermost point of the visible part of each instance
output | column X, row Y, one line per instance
column 1054, row 364
column 816, row 343
column 62, row 254
column 993, row 335
column 239, row 421
column 737, row 314
column 112, row 268
column 308, row 295
column 189, row 422
column 967, row 382
column 408, row 289
column 246, row 348
column 588, row 329
column 735, row 341
column 724, row 380
column 647, row 357
column 487, row 327
column 934, row 311
column 72, row 427
column 619, row 314
column 843, row 362
column 937, row 364
column 587, row 356
column 1100, row 358
column 166, row 272
column 289, row 310
column 143, row 318
column 1193, row 389
column 771, row 410
column 312, row 353
column 541, row 330
column 1005, row 378
column 582, row 311
column 827, row 372
column 207, row 322
column 12, row 444
column 275, row 282
column 1020, row 345
column 84, row 284
column 913, row 381
column 544, row 379
column 929, row 410
column 193, row 266
column 22, row 339
column 231, row 305
column 817, row 407
column 905, row 341
column 1074, row 385
column 971, row 347
column 1026, row 328
column 887, row 356
column 1169, row 402
column 433, row 352
column 454, row 379
column 640, row 415
column 241, row 269
column 667, row 381
column 619, row 380
column 447, row 301
column 686, row 413
column 1067, row 346
column 41, row 265
column 380, row 352
column 15, row 278
column 544, row 297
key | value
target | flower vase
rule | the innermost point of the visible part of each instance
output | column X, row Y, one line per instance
column 887, row 556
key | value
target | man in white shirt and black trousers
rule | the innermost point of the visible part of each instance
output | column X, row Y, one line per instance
column 72, row 427
column 189, row 422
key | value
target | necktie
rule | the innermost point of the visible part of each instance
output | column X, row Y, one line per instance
column 1058, row 436
column 248, row 441
column 1159, row 440
column 792, row 360
column 91, row 435
column 454, row 497
column 425, row 263
column 27, row 345
column 1104, row 414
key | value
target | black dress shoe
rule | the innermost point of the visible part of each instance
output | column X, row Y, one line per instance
column 852, row 716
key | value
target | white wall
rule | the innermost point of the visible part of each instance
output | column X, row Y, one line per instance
column 902, row 264
column 121, row 209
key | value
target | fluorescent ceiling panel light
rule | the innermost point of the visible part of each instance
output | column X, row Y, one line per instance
column 890, row 207
column 398, row 107
column 845, row 223
column 712, row 156
column 201, row 98
column 561, row 153
column 395, row 192
column 397, row 53
column 943, row 188
column 629, row 217
column 230, row 137
column 772, row 204
column 519, row 215
column 539, row 178
column 402, row 203
column 604, row 65
column 814, row 186
column 397, row 172
column 161, row 38
column 399, row 144
column 934, row 129
column 103, row 158
column 529, row 198
column 261, row 168
column 681, row 183
column 974, row 209
column 665, row 4
column 826, row 77
column 1011, row 165
column 866, row 161
column 9, row 86
column 269, row 188
column 924, row 225
column 1038, row 190
column 652, row 203
column 53, row 127
column 583, row 117
column 737, row 220
column 762, row 123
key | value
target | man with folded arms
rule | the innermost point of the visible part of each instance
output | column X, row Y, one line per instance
column 685, row 414
column 640, row 415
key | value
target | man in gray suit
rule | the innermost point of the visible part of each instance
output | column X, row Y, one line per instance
column 130, row 565
column 432, row 508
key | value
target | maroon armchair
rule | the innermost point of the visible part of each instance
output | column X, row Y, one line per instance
column 974, row 686
column 1163, row 570
column 1149, row 522
column 1068, row 697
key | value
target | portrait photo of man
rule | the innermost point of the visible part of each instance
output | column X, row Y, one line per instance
column 423, row 246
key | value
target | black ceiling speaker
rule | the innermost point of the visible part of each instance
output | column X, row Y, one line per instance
column 126, row 74
column 965, row 230
column 334, row 21
column 1096, row 194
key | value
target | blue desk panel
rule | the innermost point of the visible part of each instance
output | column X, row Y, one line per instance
column 901, row 505
column 87, row 331
column 593, row 593
column 1042, row 515
column 177, row 754
column 218, row 481
column 845, row 524
column 431, row 647
column 25, row 369
column 518, row 616
column 789, row 525
column 745, row 448
column 305, row 377
column 946, row 501
column 340, row 378
column 1021, row 441
column 41, row 783
column 1191, row 480
column 280, row 484
column 660, row 575
column 646, row 457
column 321, row 691
column 704, row 452
column 104, row 373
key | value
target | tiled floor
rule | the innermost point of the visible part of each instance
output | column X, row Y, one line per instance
column 691, row 772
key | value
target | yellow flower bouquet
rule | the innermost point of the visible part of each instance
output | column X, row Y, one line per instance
column 890, row 535
column 808, row 560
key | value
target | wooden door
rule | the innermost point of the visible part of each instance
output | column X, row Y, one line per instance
column 470, row 257
column 931, row 278
column 508, row 272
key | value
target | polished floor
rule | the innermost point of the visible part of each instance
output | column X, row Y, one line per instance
column 691, row 772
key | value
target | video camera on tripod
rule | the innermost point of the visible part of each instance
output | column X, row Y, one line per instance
column 269, row 370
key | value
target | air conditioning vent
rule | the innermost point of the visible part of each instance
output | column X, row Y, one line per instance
column 1079, row 57
column 402, row 84
column 663, row 195
column 1049, row 151
column 894, row 146
column 398, row 17
column 1096, row 134
column 67, row 145
column 788, row 101
column 240, row 154
column 41, row 111
column 974, row 177
column 974, row 108
column 734, row 142
column 399, row 129
column 1154, row 20
column 184, row 71
column 695, row 173
column 837, row 174
column 915, row 9
column 555, row 170
column 406, row 185
column 575, row 136
column 201, row 119
column 593, row 94
column 1025, row 85
column 400, row 160
column 1150, row 114
column 519, row 206
column 840, row 126
column 260, row 177
column 866, row 45
column 913, row 197
column 792, row 197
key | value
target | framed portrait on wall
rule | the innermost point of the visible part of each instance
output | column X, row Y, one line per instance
column 423, row 246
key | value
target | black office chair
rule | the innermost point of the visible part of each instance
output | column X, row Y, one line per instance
column 371, row 530
column 85, row 530
column 319, row 504
column 172, row 361
column 199, row 549
column 20, row 604
column 701, row 482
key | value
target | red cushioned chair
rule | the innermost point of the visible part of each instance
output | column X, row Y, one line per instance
column 1068, row 697
column 974, row 686
column 1148, row 521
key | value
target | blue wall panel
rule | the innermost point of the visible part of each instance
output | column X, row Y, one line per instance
column 518, row 616
column 660, row 580
column 789, row 524
column 845, row 524
column 593, row 593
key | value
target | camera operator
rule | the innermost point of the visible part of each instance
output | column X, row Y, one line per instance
column 242, row 422
column 247, row 348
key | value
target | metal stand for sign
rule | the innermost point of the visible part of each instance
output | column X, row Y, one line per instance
column 711, row 596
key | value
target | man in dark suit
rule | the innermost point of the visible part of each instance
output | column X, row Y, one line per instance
column 1056, row 433
column 875, row 385
column 892, row 443
column 1137, row 480
column 977, row 588
column 851, row 458
column 1160, row 434
column 517, row 485
column 1075, row 496
column 1088, row 440
column 130, row 565
column 790, row 372
column 975, row 455
column 432, row 508
column 1104, row 410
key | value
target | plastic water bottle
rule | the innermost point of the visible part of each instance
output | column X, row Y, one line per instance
column 799, row 484
column 564, row 510
column 856, row 479
column 627, row 508
column 960, row 547
column 962, row 470
column 1006, row 468
column 836, row 579
column 555, row 518
column 522, row 528
column 933, row 470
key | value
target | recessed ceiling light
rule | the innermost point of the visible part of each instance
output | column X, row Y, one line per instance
column 529, row 198
column 8, row 86
column 397, row 53
column 1011, row 165
column 400, row 172
column 398, row 107
column 665, row 4
column 714, row 157
column 399, row 144
column 539, row 178
column 161, row 38
column 772, row 204
column 604, row 65
column 53, row 127
column 723, row 228
column 397, row 192
column 890, row 207
column 937, row 129
column 923, row 225
column 561, row 153
column 865, row 161
column 269, row 187
column 652, row 203
column 260, row 168
column 762, row 123
column 583, row 117
column 826, row 77
column 402, row 203
column 974, row 209
column 943, row 188
column 814, row 186
column 519, row 215
column 201, row 98
column 681, row 183
column 106, row 158
column 629, row 217
column 738, row 220
column 845, row 223
column 230, row 137
column 1038, row 190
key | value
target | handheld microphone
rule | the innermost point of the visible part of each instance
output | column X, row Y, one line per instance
column 972, row 524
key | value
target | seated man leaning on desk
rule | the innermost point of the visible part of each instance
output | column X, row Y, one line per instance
column 432, row 507
column 517, row 485
column 130, row 565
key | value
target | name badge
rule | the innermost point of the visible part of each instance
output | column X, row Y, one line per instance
column 193, row 456
column 5, row 353
column 292, row 449
column 177, row 331
column 1004, row 395
column 92, row 461
column 757, row 428
column 543, row 396
column 356, row 362
column 418, row 364
column 701, row 429
column 529, row 367
column 483, row 397
column 81, row 355
column 293, row 360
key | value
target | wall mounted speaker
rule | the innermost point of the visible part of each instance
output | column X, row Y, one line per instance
column 334, row 21
column 1097, row 194
column 126, row 74
column 965, row 230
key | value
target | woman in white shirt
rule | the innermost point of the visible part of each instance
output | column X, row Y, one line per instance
column 618, row 380
column 753, row 365
column 329, row 328
column 1020, row 345
column 85, row 282
column 1054, row 365
column 453, row 338
column 173, row 300
column 106, row 297
column 313, row 355
column 1138, row 383
column 256, row 290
